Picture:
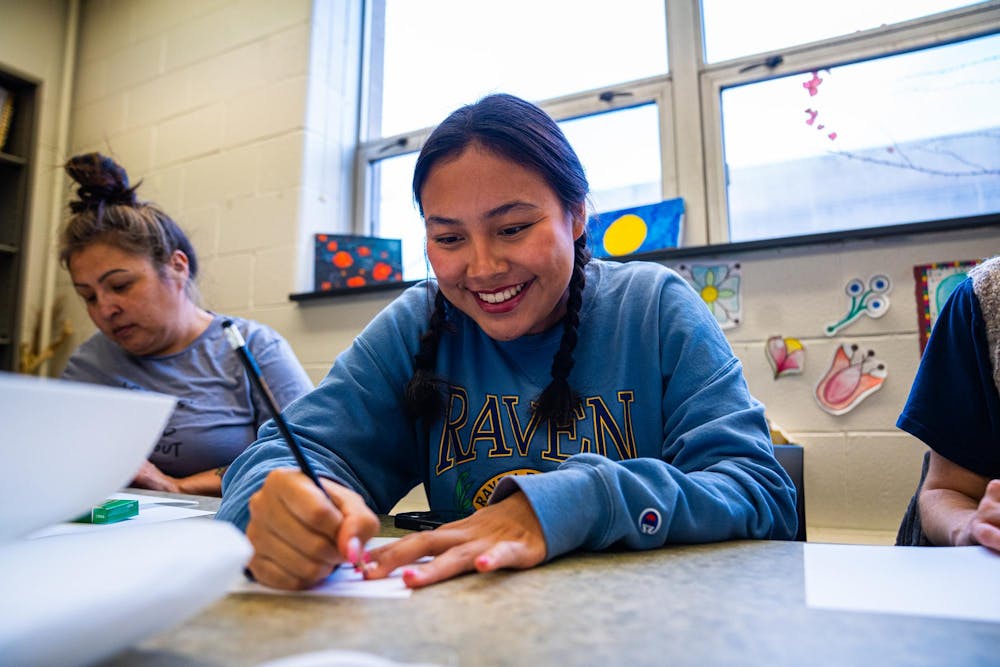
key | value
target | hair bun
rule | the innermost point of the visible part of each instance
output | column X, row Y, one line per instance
column 102, row 181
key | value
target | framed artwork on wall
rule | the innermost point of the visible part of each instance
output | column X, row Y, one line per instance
column 636, row 230
column 345, row 261
column 934, row 284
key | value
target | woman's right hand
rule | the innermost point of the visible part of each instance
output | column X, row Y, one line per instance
column 984, row 526
column 299, row 536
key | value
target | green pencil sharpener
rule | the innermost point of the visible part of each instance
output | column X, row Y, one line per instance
column 111, row 511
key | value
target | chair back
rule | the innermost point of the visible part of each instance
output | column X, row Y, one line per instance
column 911, row 532
column 791, row 459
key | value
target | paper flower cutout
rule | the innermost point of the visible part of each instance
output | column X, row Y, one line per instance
column 872, row 302
column 719, row 287
column 787, row 356
column 852, row 377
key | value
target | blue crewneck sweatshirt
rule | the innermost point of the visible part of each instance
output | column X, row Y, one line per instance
column 668, row 445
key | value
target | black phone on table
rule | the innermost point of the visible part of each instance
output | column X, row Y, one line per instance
column 426, row 520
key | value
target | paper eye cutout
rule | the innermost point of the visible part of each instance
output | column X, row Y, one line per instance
column 854, row 288
column 880, row 284
column 872, row 301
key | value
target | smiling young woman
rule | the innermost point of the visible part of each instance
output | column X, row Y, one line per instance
column 561, row 403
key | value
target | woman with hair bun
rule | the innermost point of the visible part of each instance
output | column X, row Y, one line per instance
column 560, row 403
column 135, row 269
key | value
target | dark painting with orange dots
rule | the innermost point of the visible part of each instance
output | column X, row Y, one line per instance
column 345, row 260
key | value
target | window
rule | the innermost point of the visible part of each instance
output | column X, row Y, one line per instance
column 620, row 151
column 440, row 54
column 905, row 138
column 778, row 24
column 909, row 90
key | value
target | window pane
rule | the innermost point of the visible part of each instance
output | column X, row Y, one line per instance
column 907, row 138
column 735, row 28
column 441, row 54
column 620, row 151
column 396, row 215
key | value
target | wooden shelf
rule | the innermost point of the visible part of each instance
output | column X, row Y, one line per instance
column 7, row 158
column 351, row 291
column 15, row 192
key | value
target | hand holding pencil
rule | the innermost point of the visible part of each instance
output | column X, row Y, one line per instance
column 301, row 527
column 300, row 534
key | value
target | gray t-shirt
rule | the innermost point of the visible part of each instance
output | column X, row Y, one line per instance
column 218, row 412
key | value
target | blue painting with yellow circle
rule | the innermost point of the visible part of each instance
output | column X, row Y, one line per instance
column 635, row 230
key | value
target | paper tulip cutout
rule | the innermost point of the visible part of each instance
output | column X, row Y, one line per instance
column 852, row 377
column 787, row 356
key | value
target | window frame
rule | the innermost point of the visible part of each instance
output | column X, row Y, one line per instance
column 948, row 27
column 689, row 103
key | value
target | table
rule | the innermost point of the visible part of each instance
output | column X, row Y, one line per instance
column 733, row 603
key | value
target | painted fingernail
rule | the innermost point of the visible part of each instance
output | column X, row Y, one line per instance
column 353, row 550
column 484, row 561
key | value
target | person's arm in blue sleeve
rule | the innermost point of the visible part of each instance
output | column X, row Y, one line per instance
column 348, row 408
column 717, row 478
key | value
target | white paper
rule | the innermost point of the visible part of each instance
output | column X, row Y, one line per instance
column 151, row 500
column 68, row 445
column 336, row 658
column 949, row 582
column 150, row 513
column 76, row 599
column 344, row 582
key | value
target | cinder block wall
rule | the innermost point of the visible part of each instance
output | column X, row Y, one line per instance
column 238, row 115
column 860, row 471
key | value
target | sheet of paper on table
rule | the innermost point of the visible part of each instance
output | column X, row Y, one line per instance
column 343, row 582
column 949, row 582
column 152, row 509
column 338, row 658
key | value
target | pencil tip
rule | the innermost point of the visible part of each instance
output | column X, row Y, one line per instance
column 226, row 324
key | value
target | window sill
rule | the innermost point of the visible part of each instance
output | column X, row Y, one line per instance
column 827, row 238
column 350, row 291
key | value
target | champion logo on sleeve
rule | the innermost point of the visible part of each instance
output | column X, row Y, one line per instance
column 649, row 521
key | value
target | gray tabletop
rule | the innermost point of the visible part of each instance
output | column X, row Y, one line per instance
column 734, row 603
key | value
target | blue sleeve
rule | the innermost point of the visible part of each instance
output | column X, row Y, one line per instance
column 953, row 405
column 352, row 426
column 716, row 478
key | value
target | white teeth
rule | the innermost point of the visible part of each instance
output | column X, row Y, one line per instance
column 500, row 297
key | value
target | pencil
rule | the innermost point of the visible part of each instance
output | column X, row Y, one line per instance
column 257, row 379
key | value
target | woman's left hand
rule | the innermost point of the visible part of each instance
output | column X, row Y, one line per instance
column 504, row 535
column 151, row 477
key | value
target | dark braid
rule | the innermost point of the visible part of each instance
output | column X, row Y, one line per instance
column 424, row 397
column 558, row 401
